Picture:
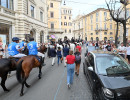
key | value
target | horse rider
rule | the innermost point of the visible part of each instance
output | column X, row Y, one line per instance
column 14, row 48
column 33, row 50
column 22, row 45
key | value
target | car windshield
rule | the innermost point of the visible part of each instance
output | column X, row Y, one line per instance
column 112, row 65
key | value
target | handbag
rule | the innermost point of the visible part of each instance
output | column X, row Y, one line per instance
column 61, row 58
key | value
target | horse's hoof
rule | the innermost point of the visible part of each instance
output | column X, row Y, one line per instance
column 39, row 77
column 28, row 86
column 6, row 90
column 21, row 94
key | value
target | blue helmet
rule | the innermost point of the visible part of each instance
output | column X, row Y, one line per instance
column 15, row 39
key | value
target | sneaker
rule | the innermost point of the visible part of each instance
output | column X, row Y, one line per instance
column 68, row 86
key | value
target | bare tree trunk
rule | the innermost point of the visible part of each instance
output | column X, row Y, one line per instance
column 124, row 34
column 116, row 37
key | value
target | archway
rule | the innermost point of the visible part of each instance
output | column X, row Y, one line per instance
column 33, row 34
column 41, row 37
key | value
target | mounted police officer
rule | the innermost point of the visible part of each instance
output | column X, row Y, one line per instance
column 33, row 49
column 14, row 48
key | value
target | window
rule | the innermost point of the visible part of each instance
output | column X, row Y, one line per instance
column 91, row 27
column 69, row 18
column 96, row 26
column 41, row 16
column 61, row 23
column 128, row 13
column 52, row 25
column 105, row 26
column 32, row 11
column 51, row 5
column 111, row 26
column 105, row 33
column 96, row 19
column 65, row 31
column 69, row 24
column 64, row 17
column 7, row 4
column 65, row 23
column 97, row 14
column 97, row 39
column 70, row 31
column 105, row 16
column 96, row 33
column 91, row 33
column 64, row 11
column 111, row 33
column 52, row 14
column 105, row 38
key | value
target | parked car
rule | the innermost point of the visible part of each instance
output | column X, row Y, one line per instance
column 108, row 75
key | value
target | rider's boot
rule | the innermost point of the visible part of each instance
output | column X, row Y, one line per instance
column 43, row 64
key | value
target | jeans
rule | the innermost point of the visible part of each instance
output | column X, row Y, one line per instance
column 70, row 73
column 64, row 61
column 59, row 58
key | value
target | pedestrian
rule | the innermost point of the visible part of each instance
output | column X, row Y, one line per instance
column 65, row 53
column 77, row 61
column 53, row 54
column 48, row 50
column 59, row 56
column 1, row 51
column 70, row 60
column 79, row 47
column 128, row 52
column 122, row 50
column 108, row 47
column 114, row 49
column 72, row 46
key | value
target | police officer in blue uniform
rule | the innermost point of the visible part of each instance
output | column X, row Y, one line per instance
column 14, row 48
column 33, row 49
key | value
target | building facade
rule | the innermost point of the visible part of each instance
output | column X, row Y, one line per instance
column 24, row 19
column 54, row 18
column 78, row 27
column 98, row 26
column 66, row 21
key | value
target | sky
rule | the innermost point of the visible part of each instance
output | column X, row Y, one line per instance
column 84, row 7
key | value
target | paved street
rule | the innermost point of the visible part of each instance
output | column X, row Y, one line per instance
column 52, row 86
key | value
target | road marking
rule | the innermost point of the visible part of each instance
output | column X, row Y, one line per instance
column 59, row 85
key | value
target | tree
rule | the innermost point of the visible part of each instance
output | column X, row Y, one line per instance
column 116, row 16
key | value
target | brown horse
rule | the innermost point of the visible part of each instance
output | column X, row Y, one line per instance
column 6, row 65
column 26, row 64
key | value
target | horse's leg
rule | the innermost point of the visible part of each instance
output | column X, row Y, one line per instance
column 40, row 72
column 3, row 82
column 25, row 80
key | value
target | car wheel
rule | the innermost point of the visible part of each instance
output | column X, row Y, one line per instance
column 84, row 69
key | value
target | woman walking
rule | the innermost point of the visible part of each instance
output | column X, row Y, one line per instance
column 59, row 56
column 70, row 60
column 77, row 61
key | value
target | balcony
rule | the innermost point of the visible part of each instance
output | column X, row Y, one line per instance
column 55, row 30
column 101, row 29
column 7, row 11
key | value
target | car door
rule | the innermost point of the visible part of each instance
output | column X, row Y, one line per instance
column 90, row 63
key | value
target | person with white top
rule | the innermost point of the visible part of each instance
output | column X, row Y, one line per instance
column 128, row 52
column 122, row 50
column 72, row 47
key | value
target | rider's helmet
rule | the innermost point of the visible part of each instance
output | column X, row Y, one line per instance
column 15, row 39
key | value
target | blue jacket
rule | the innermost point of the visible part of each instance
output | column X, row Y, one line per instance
column 32, row 47
column 59, row 53
column 65, row 51
column 12, row 49
column 53, row 52
column 21, row 44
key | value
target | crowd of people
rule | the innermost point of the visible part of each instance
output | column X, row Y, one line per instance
column 122, row 50
column 67, row 52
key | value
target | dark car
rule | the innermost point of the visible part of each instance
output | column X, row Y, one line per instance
column 108, row 75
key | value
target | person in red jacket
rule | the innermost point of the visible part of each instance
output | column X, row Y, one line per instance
column 79, row 47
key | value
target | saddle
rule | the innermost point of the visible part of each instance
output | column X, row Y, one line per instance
column 39, row 58
column 15, row 58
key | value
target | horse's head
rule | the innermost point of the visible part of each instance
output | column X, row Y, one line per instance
column 43, row 48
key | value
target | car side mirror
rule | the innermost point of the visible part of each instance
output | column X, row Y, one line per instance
column 90, row 68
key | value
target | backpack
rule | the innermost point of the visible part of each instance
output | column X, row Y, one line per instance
column 77, row 57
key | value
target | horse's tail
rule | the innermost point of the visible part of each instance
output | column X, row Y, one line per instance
column 18, row 72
